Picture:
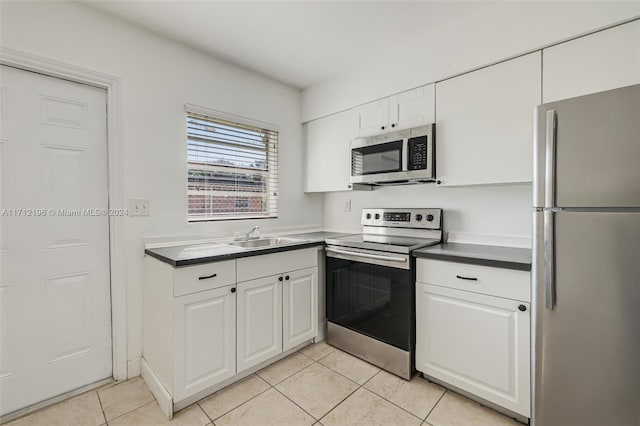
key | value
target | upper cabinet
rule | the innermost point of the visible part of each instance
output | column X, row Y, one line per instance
column 484, row 123
column 402, row 111
column 327, row 155
column 601, row 61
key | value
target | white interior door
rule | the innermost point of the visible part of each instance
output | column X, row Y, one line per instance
column 54, row 238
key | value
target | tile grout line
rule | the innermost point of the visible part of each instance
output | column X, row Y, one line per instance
column 363, row 386
column 396, row 405
column 339, row 403
column 436, row 404
column 128, row 412
column 295, row 403
column 104, row 415
column 212, row 420
column 237, row 406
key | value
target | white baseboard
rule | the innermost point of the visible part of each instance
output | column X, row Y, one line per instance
column 133, row 368
column 155, row 386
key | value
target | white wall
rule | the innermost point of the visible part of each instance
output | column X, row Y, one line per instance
column 494, row 33
column 475, row 213
column 158, row 78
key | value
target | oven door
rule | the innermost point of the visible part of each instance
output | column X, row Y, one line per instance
column 371, row 292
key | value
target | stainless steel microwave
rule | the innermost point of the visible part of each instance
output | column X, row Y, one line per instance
column 395, row 158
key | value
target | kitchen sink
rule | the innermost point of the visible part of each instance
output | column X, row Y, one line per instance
column 265, row 242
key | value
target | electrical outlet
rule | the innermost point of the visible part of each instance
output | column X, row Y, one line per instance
column 139, row 207
column 347, row 206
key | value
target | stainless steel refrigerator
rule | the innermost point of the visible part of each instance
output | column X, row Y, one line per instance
column 586, row 261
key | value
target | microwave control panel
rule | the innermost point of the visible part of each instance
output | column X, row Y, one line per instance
column 417, row 159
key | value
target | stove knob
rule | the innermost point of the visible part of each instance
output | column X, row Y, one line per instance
column 418, row 217
column 377, row 215
column 429, row 218
column 368, row 215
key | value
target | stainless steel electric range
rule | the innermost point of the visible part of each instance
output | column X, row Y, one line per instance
column 371, row 286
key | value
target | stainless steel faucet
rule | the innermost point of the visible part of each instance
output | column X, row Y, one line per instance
column 248, row 234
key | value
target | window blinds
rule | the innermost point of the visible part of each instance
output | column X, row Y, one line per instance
column 232, row 169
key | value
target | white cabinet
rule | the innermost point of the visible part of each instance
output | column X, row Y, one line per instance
column 373, row 118
column 327, row 153
column 601, row 61
column 259, row 321
column 275, row 314
column 205, row 324
column 476, row 342
column 299, row 307
column 277, row 304
column 407, row 109
column 205, row 340
column 189, row 329
column 484, row 123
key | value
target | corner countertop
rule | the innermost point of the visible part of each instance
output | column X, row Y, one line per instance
column 497, row 257
column 193, row 254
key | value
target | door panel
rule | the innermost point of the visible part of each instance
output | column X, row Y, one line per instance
column 300, row 307
column 588, row 346
column 597, row 150
column 259, row 321
column 54, row 258
column 373, row 117
column 476, row 342
column 205, row 331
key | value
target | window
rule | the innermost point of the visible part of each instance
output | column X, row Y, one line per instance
column 232, row 167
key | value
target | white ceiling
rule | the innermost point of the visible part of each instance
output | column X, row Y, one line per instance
column 296, row 42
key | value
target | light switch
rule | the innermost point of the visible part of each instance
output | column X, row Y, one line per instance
column 347, row 206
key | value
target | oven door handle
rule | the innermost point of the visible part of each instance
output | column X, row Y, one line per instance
column 367, row 255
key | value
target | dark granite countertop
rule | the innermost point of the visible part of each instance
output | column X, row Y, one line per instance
column 193, row 254
column 498, row 257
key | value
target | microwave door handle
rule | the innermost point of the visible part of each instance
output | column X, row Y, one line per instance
column 404, row 155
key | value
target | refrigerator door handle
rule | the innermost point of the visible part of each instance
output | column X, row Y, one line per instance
column 549, row 260
column 550, row 161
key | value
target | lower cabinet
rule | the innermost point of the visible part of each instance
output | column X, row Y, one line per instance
column 275, row 314
column 207, row 323
column 299, row 307
column 476, row 342
column 259, row 321
column 205, row 340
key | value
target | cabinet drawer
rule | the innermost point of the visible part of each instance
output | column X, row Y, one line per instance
column 499, row 282
column 276, row 263
column 192, row 279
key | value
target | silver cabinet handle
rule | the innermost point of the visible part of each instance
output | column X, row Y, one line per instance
column 367, row 255
column 549, row 260
column 550, row 161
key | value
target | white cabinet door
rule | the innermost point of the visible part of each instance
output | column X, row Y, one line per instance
column 602, row 61
column 205, row 340
column 299, row 307
column 328, row 154
column 475, row 342
column 484, row 123
column 412, row 108
column 373, row 118
column 259, row 321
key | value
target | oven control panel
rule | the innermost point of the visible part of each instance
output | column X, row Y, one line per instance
column 403, row 218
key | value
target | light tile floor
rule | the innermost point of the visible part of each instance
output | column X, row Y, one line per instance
column 319, row 385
